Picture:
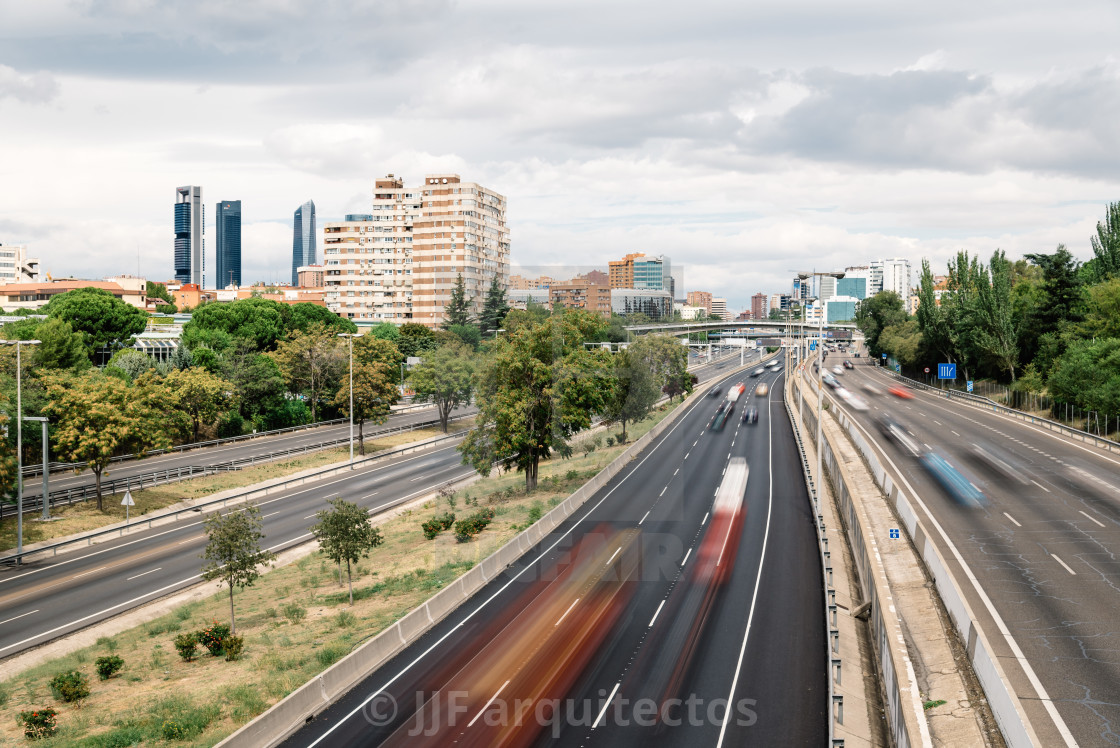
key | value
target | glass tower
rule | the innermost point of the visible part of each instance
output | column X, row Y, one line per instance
column 303, row 238
column 189, row 235
column 228, row 225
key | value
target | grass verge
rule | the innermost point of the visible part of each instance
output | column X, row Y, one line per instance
column 296, row 622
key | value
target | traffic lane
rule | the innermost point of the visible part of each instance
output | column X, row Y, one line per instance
column 386, row 699
column 1035, row 609
column 96, row 579
column 205, row 456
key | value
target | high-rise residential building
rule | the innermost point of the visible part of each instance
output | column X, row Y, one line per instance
column 760, row 308
column 890, row 275
column 702, row 299
column 16, row 266
column 402, row 265
column 621, row 272
column 802, row 289
column 303, row 238
column 190, row 229
column 638, row 271
column 581, row 294
column 310, row 276
column 780, row 301
column 227, row 226
column 719, row 309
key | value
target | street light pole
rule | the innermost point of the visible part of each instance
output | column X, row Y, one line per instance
column 19, row 443
column 350, row 341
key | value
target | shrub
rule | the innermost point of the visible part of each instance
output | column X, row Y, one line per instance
column 107, row 667
column 535, row 512
column 465, row 529
column 346, row 619
column 610, row 441
column 331, row 653
column 431, row 528
column 294, row 612
column 70, row 686
column 186, row 645
column 232, row 645
column 40, row 723
column 447, row 519
column 212, row 636
column 108, row 642
column 172, row 730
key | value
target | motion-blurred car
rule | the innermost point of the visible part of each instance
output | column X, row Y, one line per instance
column 995, row 461
column 853, row 400
column 848, row 364
column 896, row 432
column 750, row 415
column 762, row 390
column 871, row 388
column 838, row 371
column 714, row 392
column 830, row 380
column 758, row 372
column 960, row 489
column 903, row 392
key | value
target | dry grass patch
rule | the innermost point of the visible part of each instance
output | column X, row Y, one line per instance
column 296, row 622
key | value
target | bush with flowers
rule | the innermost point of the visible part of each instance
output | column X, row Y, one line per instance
column 39, row 723
column 212, row 636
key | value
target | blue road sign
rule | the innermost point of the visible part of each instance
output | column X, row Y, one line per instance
column 884, row 355
column 946, row 371
column 898, row 368
column 812, row 345
column 895, row 535
column 968, row 385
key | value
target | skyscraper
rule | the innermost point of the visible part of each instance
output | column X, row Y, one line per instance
column 303, row 238
column 190, row 227
column 228, row 225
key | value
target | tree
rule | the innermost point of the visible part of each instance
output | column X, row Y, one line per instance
column 372, row 350
column 304, row 316
column 7, row 453
column 201, row 395
column 59, row 347
column 903, row 341
column 458, row 309
column 375, row 391
column 532, row 314
column 130, row 361
column 233, row 551
column 494, row 309
column 345, row 533
column 1102, row 313
column 258, row 322
column 468, row 335
column 101, row 318
column 633, row 391
column 415, row 339
column 1088, row 375
column 1106, row 247
column 386, row 331
column 1062, row 291
column 538, row 387
column 311, row 363
column 98, row 417
column 159, row 291
column 876, row 313
column 996, row 332
column 959, row 304
column 445, row 378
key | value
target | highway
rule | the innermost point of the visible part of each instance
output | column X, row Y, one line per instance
column 1042, row 550
column 637, row 620
column 51, row 597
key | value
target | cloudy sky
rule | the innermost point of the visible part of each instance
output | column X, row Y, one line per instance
column 744, row 140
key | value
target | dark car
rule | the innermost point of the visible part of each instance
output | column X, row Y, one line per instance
column 750, row 415
column 849, row 365
column 714, row 392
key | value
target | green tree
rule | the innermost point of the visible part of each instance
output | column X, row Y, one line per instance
column 445, row 378
column 131, row 362
column 458, row 309
column 537, row 388
column 159, row 291
column 260, row 323
column 1106, row 247
column 877, row 313
column 996, row 328
column 100, row 318
column 468, row 335
column 259, row 385
column 959, row 307
column 233, row 551
column 1088, row 375
column 632, row 393
column 97, row 417
column 494, row 309
column 312, row 364
column 345, row 533
column 59, row 347
column 7, row 453
column 386, row 331
column 201, row 395
column 375, row 392
column 373, row 350
column 532, row 314
column 1102, row 313
column 903, row 341
column 1062, row 291
column 304, row 316
column 415, row 339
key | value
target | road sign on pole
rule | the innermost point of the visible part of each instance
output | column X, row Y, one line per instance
column 968, row 385
column 127, row 502
column 927, row 370
column 946, row 371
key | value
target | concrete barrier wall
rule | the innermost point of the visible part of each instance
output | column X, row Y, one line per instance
column 292, row 712
column 1016, row 729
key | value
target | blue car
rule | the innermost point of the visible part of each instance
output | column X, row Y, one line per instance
column 959, row 488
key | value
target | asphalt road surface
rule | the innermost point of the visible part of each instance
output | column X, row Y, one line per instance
column 637, row 621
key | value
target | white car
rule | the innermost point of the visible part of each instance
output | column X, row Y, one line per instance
column 838, row 371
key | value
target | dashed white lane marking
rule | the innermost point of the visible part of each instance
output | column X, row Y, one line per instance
column 566, row 612
column 694, row 443
column 656, row 613
column 1005, row 514
column 9, row 620
column 686, row 555
column 706, row 519
column 606, row 704
column 676, row 471
column 643, row 519
column 149, row 571
column 1044, row 488
column 927, row 446
column 954, row 432
column 1064, row 565
column 488, row 703
column 1092, row 519
column 617, row 551
column 937, row 422
column 198, row 537
column 269, row 515
column 91, row 571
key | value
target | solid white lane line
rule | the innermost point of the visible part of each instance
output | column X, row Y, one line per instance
column 14, row 618
column 705, row 519
column 1005, row 514
column 643, row 519
column 561, row 618
column 149, row 571
column 616, row 552
column 1044, row 488
column 686, row 555
column 1092, row 519
column 488, row 703
column 91, row 571
column 606, row 704
column 656, row 613
column 1064, row 565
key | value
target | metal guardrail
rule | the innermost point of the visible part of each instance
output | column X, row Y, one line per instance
column 832, row 632
column 988, row 404
column 220, row 503
column 172, row 475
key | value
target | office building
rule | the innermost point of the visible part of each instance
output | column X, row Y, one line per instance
column 654, row 303
column 303, row 238
column 780, row 302
column 402, row 265
column 190, row 229
column 840, row 309
column 16, row 266
column 826, row 287
column 719, row 309
column 855, row 287
column 801, row 289
column 760, row 308
column 227, row 225
column 638, row 271
column 895, row 276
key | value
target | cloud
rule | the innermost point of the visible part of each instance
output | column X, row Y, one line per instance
column 35, row 88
